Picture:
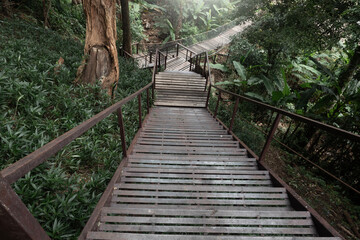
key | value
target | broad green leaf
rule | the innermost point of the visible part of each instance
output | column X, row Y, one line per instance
column 172, row 34
column 255, row 95
column 254, row 81
column 240, row 69
column 277, row 95
column 268, row 85
column 224, row 83
column 220, row 67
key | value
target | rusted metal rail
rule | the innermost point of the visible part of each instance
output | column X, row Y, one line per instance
column 16, row 222
column 280, row 112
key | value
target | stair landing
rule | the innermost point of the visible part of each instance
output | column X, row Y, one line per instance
column 180, row 89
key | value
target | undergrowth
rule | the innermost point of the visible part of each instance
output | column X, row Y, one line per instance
column 39, row 103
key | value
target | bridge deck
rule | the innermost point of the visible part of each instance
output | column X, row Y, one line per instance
column 213, row 43
column 186, row 178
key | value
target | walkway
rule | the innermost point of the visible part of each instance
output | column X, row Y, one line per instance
column 187, row 179
column 210, row 44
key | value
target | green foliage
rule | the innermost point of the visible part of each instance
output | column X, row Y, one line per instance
column 136, row 27
column 65, row 18
column 192, row 17
column 38, row 104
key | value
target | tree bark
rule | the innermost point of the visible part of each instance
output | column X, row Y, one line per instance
column 179, row 21
column 6, row 8
column 126, row 26
column 101, row 62
column 46, row 8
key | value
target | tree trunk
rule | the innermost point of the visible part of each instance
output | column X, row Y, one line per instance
column 350, row 70
column 6, row 8
column 76, row 2
column 126, row 26
column 179, row 21
column 46, row 8
column 101, row 62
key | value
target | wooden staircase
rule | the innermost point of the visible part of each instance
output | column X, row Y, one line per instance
column 188, row 179
column 177, row 88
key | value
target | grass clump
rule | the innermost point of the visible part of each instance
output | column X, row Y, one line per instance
column 38, row 104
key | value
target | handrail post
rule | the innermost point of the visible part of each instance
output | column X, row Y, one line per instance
column 205, row 61
column 270, row 136
column 139, row 107
column 165, row 62
column 147, row 101
column 217, row 104
column 234, row 114
column 191, row 60
column 122, row 131
column 150, row 61
column 16, row 220
column 159, row 61
column 208, row 96
column 177, row 49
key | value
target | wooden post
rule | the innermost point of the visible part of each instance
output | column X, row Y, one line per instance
column 234, row 114
column 122, row 131
column 150, row 61
column 270, row 136
column 140, row 114
column 177, row 49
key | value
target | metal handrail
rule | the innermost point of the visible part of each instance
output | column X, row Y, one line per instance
column 18, row 169
column 270, row 136
column 323, row 126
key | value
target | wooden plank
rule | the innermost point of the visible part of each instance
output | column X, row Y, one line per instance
column 209, row 221
column 193, row 163
column 193, row 171
column 201, row 188
column 207, row 213
column 231, row 182
column 181, row 194
column 197, row 176
column 131, row 236
column 212, row 229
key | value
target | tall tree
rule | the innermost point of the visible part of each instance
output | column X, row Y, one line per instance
column 179, row 19
column 6, row 7
column 126, row 26
column 101, row 61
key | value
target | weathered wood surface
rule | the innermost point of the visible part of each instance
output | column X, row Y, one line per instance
column 184, row 89
column 187, row 179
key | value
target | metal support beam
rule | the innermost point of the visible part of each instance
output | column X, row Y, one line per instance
column 270, row 136
column 16, row 222
column 217, row 104
column 234, row 114
column 122, row 131
column 140, row 114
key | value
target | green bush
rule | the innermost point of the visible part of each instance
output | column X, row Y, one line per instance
column 38, row 104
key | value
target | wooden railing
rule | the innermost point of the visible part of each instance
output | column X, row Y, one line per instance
column 16, row 222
